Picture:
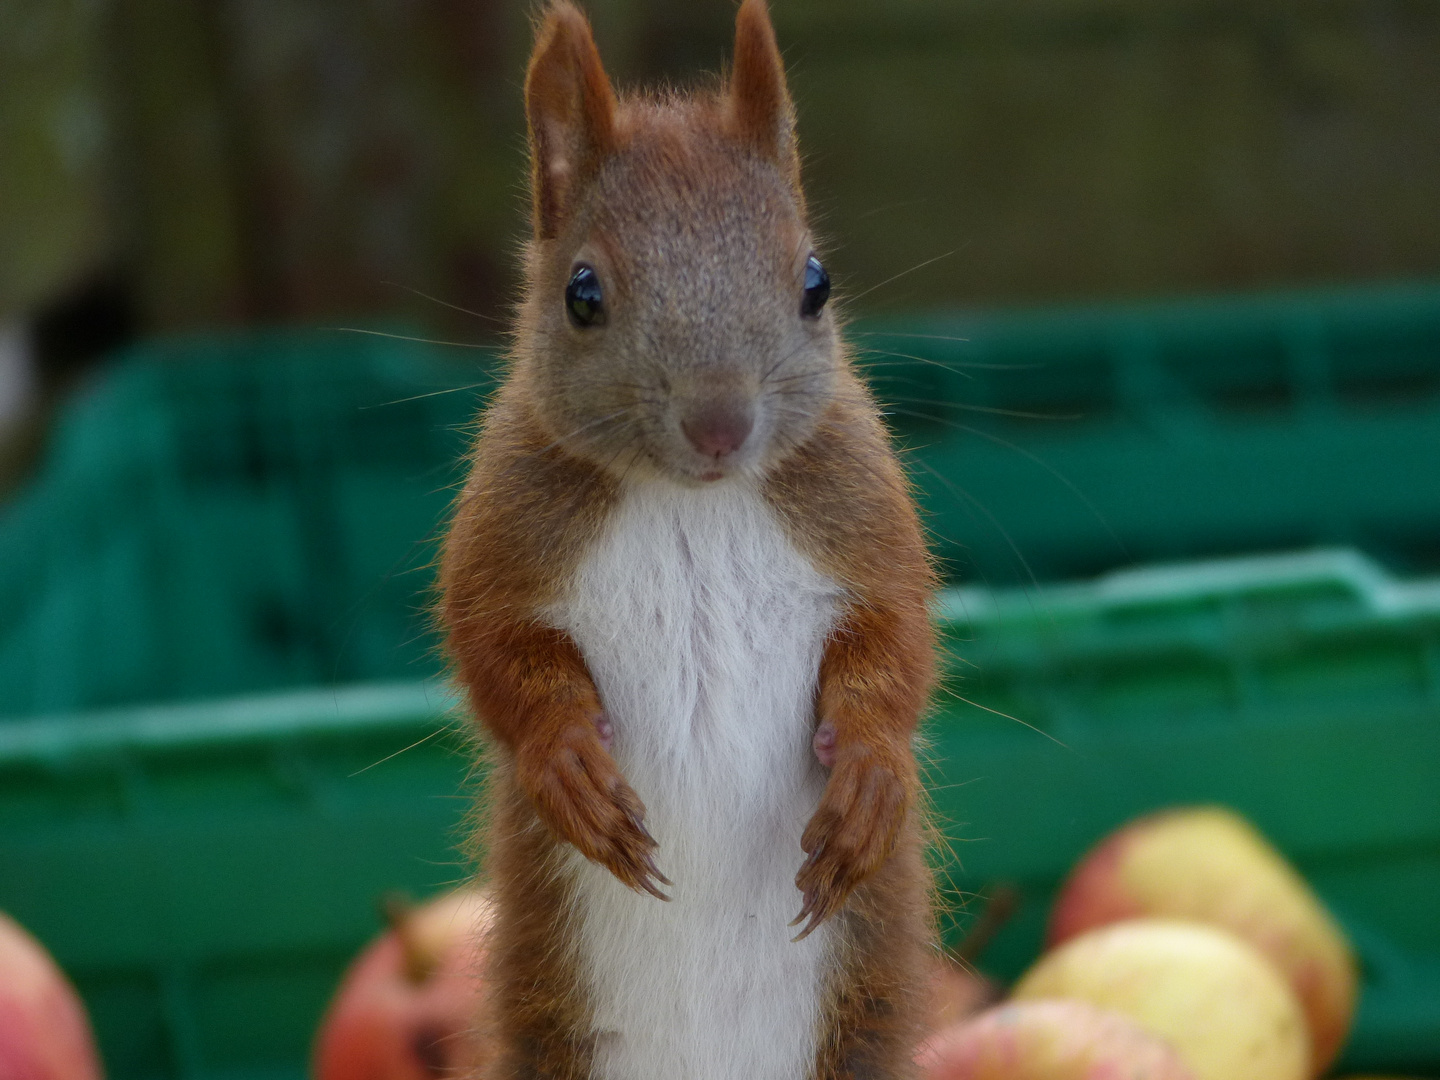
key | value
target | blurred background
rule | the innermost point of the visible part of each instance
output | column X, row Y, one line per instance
column 170, row 165
column 1151, row 289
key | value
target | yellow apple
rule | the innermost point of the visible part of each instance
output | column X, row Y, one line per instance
column 1215, row 998
column 1210, row 865
column 1049, row 1040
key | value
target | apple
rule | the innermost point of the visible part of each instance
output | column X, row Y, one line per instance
column 44, row 1031
column 957, row 992
column 1210, row 865
column 410, row 1005
column 1221, row 1003
column 1049, row 1040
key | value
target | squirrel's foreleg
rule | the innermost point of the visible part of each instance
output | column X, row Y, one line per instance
column 873, row 680
column 529, row 684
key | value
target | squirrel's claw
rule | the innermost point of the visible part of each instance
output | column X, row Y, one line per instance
column 807, row 910
column 650, row 887
column 579, row 793
column 852, row 833
column 656, row 874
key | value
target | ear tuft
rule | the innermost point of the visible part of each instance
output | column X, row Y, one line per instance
column 761, row 113
column 571, row 110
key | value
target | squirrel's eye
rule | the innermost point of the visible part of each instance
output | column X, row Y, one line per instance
column 817, row 289
column 582, row 297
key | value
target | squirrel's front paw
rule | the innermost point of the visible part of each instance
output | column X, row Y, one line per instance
column 854, row 828
column 579, row 793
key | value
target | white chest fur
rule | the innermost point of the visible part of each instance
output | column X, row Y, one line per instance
column 703, row 627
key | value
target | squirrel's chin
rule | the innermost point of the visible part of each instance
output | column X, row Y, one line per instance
column 648, row 463
column 712, row 475
column 709, row 477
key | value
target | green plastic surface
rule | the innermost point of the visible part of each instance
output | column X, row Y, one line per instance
column 1302, row 690
column 205, row 871
column 233, row 514
column 1067, row 442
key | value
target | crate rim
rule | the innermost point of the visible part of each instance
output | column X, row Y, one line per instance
column 1378, row 593
column 351, row 708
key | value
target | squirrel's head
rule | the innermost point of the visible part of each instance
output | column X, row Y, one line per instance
column 675, row 316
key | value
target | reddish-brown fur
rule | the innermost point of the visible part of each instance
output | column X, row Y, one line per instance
column 539, row 492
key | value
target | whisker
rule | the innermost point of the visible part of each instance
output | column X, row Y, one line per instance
column 798, row 376
column 397, row 753
column 443, row 303
column 403, row 337
column 1007, row 716
column 897, row 277
column 430, row 394
column 865, row 362
column 784, row 359
column 633, row 443
column 958, row 491
column 1042, row 463
column 890, row 206
column 902, row 334
column 586, row 427
column 974, row 365
column 988, row 409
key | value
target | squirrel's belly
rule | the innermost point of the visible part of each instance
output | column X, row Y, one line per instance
column 703, row 627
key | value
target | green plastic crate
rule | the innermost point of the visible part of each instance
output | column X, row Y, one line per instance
column 235, row 514
column 1061, row 443
column 205, row 871
column 228, row 515
column 1302, row 690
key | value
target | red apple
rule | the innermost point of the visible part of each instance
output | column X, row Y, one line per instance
column 1050, row 1040
column 1209, row 864
column 44, row 1032
column 409, row 1007
column 957, row 992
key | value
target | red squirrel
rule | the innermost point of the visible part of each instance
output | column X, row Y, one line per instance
column 685, row 590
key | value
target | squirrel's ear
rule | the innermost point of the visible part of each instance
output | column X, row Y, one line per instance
column 570, row 107
column 760, row 109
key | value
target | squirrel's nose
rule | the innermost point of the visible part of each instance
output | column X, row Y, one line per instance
column 718, row 428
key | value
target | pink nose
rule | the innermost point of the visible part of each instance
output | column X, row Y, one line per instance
column 718, row 428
